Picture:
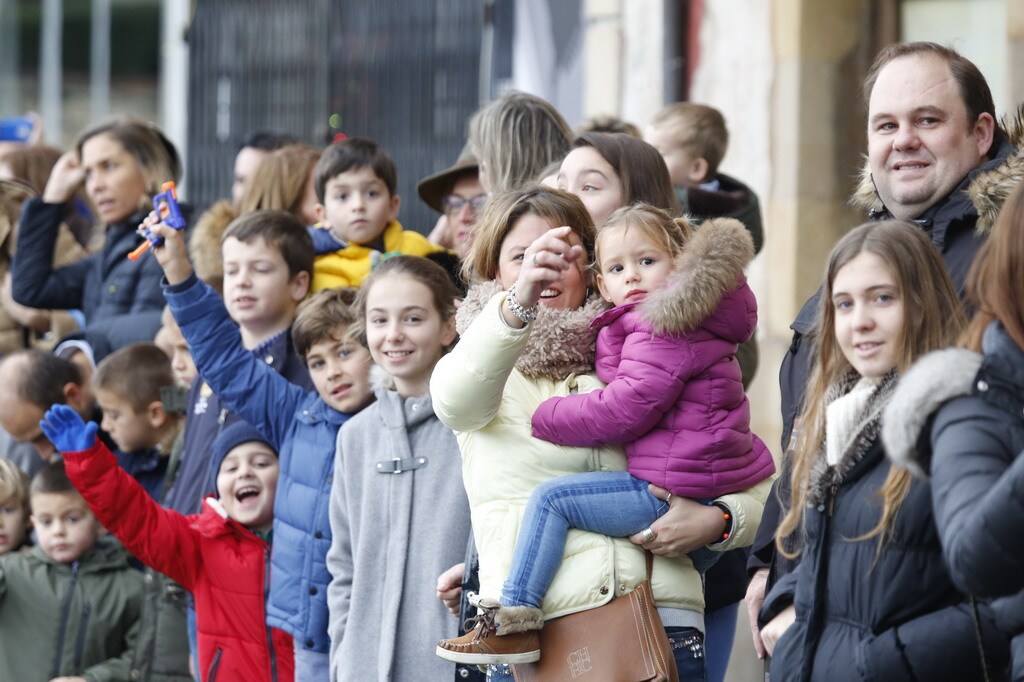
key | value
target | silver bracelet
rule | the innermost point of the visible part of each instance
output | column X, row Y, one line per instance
column 527, row 315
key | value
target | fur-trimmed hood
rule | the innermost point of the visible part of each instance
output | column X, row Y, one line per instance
column 709, row 267
column 933, row 380
column 204, row 242
column 561, row 341
column 987, row 187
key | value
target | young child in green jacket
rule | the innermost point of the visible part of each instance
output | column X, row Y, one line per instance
column 69, row 608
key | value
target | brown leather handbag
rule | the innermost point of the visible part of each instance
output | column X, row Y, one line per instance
column 621, row 641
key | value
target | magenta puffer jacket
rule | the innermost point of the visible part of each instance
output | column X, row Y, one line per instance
column 675, row 395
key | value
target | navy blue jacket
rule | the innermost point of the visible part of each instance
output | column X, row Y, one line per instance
column 121, row 299
column 303, row 429
column 978, row 479
column 865, row 615
column 207, row 415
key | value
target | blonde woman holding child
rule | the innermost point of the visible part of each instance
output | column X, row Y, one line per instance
column 526, row 337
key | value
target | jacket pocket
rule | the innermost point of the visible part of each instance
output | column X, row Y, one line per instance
column 211, row 674
column 83, row 629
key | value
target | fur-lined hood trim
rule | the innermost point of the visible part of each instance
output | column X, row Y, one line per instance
column 709, row 267
column 934, row 379
column 204, row 242
column 987, row 190
column 561, row 341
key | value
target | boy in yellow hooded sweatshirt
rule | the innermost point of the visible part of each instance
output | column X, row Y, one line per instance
column 355, row 186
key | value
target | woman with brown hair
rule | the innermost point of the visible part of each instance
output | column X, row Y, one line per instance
column 526, row 336
column 871, row 598
column 972, row 399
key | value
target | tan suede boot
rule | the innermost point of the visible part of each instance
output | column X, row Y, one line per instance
column 503, row 634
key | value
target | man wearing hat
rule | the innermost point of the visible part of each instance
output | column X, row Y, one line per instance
column 457, row 194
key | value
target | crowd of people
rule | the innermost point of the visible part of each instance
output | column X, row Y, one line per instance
column 298, row 441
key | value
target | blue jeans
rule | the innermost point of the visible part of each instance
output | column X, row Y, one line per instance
column 687, row 646
column 720, row 628
column 611, row 503
column 311, row 666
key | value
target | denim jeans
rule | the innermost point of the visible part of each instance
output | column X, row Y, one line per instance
column 611, row 503
column 720, row 630
column 687, row 646
column 311, row 666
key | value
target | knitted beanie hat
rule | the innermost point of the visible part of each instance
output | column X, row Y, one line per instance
column 231, row 437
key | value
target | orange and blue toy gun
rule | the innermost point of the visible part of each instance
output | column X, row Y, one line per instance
column 166, row 205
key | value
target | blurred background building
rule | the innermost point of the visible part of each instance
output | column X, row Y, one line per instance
column 786, row 74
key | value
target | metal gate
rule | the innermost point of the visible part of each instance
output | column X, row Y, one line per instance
column 404, row 73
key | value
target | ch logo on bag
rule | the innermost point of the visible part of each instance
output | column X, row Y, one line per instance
column 579, row 662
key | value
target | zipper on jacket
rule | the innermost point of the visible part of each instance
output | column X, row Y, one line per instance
column 80, row 640
column 65, row 612
column 833, row 490
column 211, row 674
column 270, row 631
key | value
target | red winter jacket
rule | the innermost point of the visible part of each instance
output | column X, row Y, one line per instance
column 217, row 559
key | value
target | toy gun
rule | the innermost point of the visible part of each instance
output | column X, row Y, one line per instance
column 166, row 206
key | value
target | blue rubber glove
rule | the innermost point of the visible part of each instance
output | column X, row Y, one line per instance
column 67, row 431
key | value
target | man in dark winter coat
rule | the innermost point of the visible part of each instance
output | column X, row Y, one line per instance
column 935, row 157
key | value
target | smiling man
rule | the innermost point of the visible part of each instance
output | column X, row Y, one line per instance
column 935, row 157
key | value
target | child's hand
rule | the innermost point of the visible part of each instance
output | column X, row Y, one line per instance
column 449, row 587
column 545, row 262
column 66, row 430
column 172, row 254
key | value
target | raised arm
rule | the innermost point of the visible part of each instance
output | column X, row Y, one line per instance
column 160, row 538
column 650, row 378
column 247, row 385
column 467, row 385
column 35, row 282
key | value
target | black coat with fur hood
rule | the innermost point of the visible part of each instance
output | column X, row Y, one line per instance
column 957, row 225
column 959, row 417
column 864, row 614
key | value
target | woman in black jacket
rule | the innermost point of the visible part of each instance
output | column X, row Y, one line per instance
column 871, row 598
column 977, row 434
column 122, row 164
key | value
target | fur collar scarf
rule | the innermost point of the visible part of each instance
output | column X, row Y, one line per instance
column 986, row 189
column 561, row 341
column 823, row 476
column 709, row 267
column 934, row 379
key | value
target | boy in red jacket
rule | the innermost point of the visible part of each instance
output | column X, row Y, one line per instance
column 220, row 555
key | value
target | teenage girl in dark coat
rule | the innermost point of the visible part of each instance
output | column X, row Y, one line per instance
column 871, row 598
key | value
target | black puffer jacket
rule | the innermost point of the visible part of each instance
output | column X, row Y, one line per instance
column 121, row 299
column 864, row 614
column 973, row 456
column 957, row 225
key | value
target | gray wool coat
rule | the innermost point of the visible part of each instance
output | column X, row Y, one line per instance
column 395, row 532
